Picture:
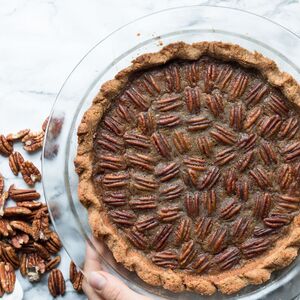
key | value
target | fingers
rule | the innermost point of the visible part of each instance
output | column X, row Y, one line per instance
column 92, row 262
column 111, row 288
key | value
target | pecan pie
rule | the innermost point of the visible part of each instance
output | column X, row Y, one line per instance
column 189, row 166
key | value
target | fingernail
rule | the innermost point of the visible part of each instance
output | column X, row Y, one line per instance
column 96, row 280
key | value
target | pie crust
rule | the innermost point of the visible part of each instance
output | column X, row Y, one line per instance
column 255, row 271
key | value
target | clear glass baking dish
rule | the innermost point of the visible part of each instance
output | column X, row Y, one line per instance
column 101, row 63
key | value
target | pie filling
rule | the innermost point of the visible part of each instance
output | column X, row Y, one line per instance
column 197, row 165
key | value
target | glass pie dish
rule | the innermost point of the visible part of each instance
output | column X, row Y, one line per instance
column 189, row 24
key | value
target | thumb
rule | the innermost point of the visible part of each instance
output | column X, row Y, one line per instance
column 111, row 288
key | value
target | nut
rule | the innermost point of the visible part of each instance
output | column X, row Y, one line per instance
column 30, row 173
column 22, row 194
column 35, row 267
column 15, row 161
column 22, row 226
column 33, row 141
column 53, row 263
column 3, row 199
column 19, row 240
column 12, row 137
column 1, row 183
column 16, row 211
column 7, row 277
column 40, row 226
column 53, row 245
column 6, row 147
column 76, row 277
column 56, row 283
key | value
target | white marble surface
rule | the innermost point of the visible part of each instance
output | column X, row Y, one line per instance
column 42, row 40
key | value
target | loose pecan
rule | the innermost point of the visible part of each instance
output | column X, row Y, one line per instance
column 72, row 272
column 210, row 77
column 146, row 122
column 209, row 200
column 12, row 137
column 42, row 251
column 201, row 263
column 192, row 99
column 9, row 255
column 287, row 203
column 19, row 240
column 137, row 239
column 236, row 117
column 242, row 190
column 53, row 244
column 198, row 123
column 181, row 142
column 254, row 247
column 262, row 206
column 123, row 217
column 137, row 140
column 30, row 173
column 203, row 227
column 192, row 202
column 291, row 152
column 172, row 77
column 3, row 198
column 215, row 104
column 225, row 156
column 205, row 145
column 256, row 93
column 111, row 162
column 261, row 177
column 115, row 199
column 56, row 283
column 7, row 277
column 183, row 231
column 192, row 73
column 144, row 202
column 230, row 209
column 277, row 106
column 143, row 183
column 169, row 103
column 33, row 141
column 15, row 161
column 195, row 163
column 55, row 125
column 210, row 179
column 228, row 258
column 187, row 254
column 35, row 267
column 17, row 212
column 238, row 86
column 115, row 180
column 240, row 228
column 217, row 240
column 289, row 128
column 110, row 143
column 230, row 180
column 222, row 135
column 161, row 144
column 6, row 147
column 146, row 224
column 22, row 226
column 171, row 192
column 165, row 259
column 143, row 161
column 267, row 153
column 77, row 284
column 168, row 214
column 137, row 98
column 277, row 220
column 224, row 77
column 252, row 117
column 5, row 228
column 1, row 183
column 23, row 264
column 270, row 126
column 52, row 263
column 167, row 172
column 22, row 194
column 160, row 239
column 40, row 226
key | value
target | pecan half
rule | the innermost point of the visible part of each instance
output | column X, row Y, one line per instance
column 146, row 122
column 19, row 240
column 209, row 199
column 236, row 117
column 143, row 161
column 242, row 190
column 230, row 209
column 240, row 229
column 167, row 121
column 286, row 177
column 198, row 123
column 12, row 137
column 144, row 202
column 192, row 99
column 171, row 192
column 9, row 255
column 114, row 125
column 161, row 144
column 169, row 214
column 270, row 126
column 52, row 263
column 161, row 238
column 146, row 224
column 167, row 172
column 183, row 231
column 5, row 228
column 191, row 202
column 6, row 147
column 123, row 217
column 15, row 211
column 33, row 141
column 261, row 177
column 150, row 84
column 124, row 113
column 35, row 267
column 195, row 163
column 172, row 77
column 115, row 180
column 143, row 183
column 223, row 135
column 15, row 161
column 187, row 254
column 40, row 226
column 205, row 145
column 277, row 106
column 252, row 117
column 201, row 263
column 267, row 153
column 210, row 77
column 56, row 283
column 277, row 220
column 224, row 77
column 245, row 161
column 203, row 227
column 230, row 180
column 287, row 203
column 42, row 251
column 217, row 240
column 215, row 104
column 181, row 142
column 228, row 258
column 137, row 98
column 291, row 152
column 30, row 173
column 256, row 93
column 262, row 206
column 137, row 239
column 192, row 73
column 289, row 128
column 238, row 85
column 22, row 194
column 254, row 247
column 3, row 198
column 137, row 140
column 210, row 179
column 165, row 259
column 53, row 244
column 110, row 143
column 111, row 163
column 168, row 104
column 7, row 277
column 22, row 226
column 115, row 199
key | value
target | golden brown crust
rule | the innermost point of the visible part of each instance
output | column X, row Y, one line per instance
column 254, row 272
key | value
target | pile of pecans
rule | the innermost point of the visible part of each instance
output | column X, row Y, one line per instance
column 27, row 241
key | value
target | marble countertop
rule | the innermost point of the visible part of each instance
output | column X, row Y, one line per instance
column 40, row 43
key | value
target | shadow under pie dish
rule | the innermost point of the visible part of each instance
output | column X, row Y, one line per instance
column 189, row 166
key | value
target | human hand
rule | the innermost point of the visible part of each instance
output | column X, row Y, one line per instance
column 100, row 285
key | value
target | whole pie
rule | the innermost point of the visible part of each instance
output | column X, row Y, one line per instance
column 189, row 166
